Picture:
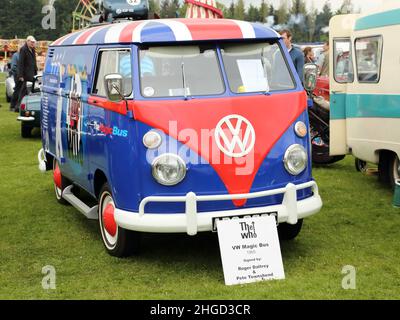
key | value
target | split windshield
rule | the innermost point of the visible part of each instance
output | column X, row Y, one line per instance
column 168, row 71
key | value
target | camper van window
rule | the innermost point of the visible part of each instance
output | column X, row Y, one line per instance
column 343, row 65
column 113, row 61
column 165, row 71
column 256, row 67
column 368, row 58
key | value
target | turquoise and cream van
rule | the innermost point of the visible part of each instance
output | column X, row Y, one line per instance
column 365, row 88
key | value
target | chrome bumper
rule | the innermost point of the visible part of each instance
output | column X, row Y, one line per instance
column 191, row 222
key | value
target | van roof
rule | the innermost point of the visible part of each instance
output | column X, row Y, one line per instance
column 168, row 30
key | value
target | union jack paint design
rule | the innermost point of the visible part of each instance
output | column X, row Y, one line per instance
column 168, row 30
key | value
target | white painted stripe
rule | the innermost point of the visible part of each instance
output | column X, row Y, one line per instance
column 113, row 34
column 246, row 28
column 181, row 31
column 66, row 38
column 137, row 32
column 81, row 34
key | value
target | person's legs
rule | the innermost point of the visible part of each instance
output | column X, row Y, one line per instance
column 14, row 98
column 22, row 93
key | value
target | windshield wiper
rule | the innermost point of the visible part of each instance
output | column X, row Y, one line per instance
column 184, row 81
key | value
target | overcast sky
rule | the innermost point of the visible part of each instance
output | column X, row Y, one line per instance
column 361, row 4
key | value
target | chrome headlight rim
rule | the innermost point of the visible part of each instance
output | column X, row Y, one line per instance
column 181, row 164
column 157, row 144
column 300, row 129
column 287, row 164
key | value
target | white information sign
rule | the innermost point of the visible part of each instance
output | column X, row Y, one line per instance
column 250, row 250
column 252, row 74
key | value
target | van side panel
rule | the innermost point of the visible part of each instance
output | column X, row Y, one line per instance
column 66, row 85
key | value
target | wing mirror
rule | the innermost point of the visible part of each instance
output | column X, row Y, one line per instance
column 114, row 86
column 310, row 72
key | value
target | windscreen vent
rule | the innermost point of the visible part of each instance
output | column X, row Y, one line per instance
column 51, row 53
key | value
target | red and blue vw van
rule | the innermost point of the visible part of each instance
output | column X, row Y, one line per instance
column 170, row 125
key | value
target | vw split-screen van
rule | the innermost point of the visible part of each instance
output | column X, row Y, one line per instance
column 173, row 124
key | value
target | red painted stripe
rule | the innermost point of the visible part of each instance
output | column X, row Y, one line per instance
column 127, row 32
column 202, row 29
column 86, row 34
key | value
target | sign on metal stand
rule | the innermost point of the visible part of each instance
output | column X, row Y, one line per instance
column 250, row 250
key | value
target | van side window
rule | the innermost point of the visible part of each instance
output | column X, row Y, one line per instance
column 342, row 61
column 113, row 61
column 368, row 58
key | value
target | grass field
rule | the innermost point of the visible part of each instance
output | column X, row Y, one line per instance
column 357, row 226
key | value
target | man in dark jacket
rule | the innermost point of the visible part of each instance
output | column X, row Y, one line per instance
column 295, row 54
column 27, row 67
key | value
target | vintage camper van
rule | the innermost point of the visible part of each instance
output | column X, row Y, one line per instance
column 365, row 90
column 172, row 124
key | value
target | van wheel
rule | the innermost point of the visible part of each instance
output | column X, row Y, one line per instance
column 384, row 167
column 394, row 170
column 361, row 166
column 26, row 131
column 119, row 242
column 289, row 231
column 60, row 183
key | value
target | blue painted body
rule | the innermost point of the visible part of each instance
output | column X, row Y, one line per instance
column 121, row 155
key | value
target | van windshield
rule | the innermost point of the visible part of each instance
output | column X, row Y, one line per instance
column 170, row 71
column 256, row 67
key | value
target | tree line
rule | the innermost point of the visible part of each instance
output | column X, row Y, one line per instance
column 21, row 18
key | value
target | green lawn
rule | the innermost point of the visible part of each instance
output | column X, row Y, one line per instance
column 358, row 226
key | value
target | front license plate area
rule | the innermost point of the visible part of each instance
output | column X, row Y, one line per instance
column 243, row 216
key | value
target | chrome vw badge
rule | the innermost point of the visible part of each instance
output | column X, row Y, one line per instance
column 235, row 136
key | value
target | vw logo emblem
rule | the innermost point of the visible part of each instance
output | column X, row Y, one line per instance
column 235, row 136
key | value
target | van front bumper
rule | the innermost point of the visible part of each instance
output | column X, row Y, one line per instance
column 191, row 222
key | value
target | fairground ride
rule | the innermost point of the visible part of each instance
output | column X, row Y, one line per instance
column 85, row 14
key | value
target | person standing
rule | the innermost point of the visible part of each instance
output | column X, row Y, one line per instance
column 17, row 84
column 295, row 54
column 27, row 67
column 323, row 60
column 308, row 55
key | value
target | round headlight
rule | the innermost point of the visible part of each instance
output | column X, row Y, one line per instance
column 168, row 169
column 301, row 129
column 295, row 159
column 152, row 140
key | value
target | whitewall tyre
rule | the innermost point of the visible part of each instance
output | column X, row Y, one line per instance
column 118, row 242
